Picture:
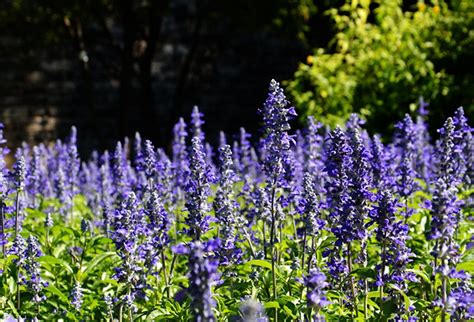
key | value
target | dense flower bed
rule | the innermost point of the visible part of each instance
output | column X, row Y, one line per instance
column 316, row 225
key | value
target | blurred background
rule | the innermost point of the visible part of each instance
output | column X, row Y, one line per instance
column 113, row 67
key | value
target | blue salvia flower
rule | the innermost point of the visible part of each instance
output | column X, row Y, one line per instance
column 150, row 163
column 313, row 149
column 361, row 180
column 338, row 187
column 180, row 157
column 197, row 123
column 77, row 296
column 310, row 207
column 73, row 163
column 392, row 235
column 138, row 160
column 445, row 206
column 20, row 172
column 245, row 158
column 379, row 163
column 338, row 162
column 316, row 299
column 226, row 208
column 463, row 148
column 119, row 170
column 461, row 298
column 106, row 192
column 3, row 187
column 197, row 191
column 34, row 178
column 202, row 271
column 157, row 231
column 18, row 248
column 405, row 172
column 252, row 311
column 34, row 282
column 158, row 217
column 128, row 227
column 61, row 191
column 165, row 178
column 423, row 148
column 276, row 113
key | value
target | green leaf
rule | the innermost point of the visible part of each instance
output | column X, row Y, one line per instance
column 466, row 266
column 419, row 273
column 260, row 263
column 55, row 261
column 272, row 305
column 405, row 297
column 97, row 260
column 53, row 289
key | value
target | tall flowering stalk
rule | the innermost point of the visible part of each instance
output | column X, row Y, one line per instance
column 3, row 189
column 405, row 183
column 445, row 209
column 310, row 213
column 395, row 255
column 33, row 280
column 338, row 162
column 361, row 196
column 180, row 158
column 128, row 229
column 198, row 190
column 226, row 208
column 20, row 183
column 276, row 142
column 316, row 299
column 202, row 271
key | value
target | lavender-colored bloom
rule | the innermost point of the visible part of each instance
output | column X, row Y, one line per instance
column 313, row 150
column 73, row 163
column 338, row 194
column 276, row 141
column 138, row 160
column 463, row 148
column 20, row 173
column 202, row 271
column 48, row 223
column 180, row 157
column 197, row 123
column 379, row 163
column 77, row 297
column 120, row 172
column 392, row 235
column 226, row 208
column 359, row 174
column 405, row 142
column 445, row 206
column 34, row 282
column 128, row 227
column 150, row 162
column 461, row 298
column 310, row 207
column 18, row 248
column 252, row 311
column 315, row 283
column 197, row 191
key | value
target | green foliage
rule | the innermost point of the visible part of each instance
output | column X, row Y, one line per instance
column 383, row 59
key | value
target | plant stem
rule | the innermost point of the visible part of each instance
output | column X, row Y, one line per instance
column 250, row 243
column 304, row 249
column 444, row 296
column 349, row 263
column 165, row 277
column 2, row 222
column 17, row 222
column 272, row 243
